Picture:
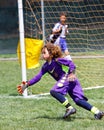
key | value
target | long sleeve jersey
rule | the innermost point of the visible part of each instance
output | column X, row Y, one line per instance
column 55, row 69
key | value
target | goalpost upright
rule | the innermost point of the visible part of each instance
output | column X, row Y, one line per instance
column 43, row 22
column 22, row 37
column 22, row 44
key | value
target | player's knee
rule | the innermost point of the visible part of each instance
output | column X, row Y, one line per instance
column 52, row 92
column 76, row 101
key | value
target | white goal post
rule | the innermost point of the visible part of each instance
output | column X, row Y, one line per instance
column 22, row 37
column 22, row 45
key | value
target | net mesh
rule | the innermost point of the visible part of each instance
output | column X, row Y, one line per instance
column 84, row 18
column 85, row 40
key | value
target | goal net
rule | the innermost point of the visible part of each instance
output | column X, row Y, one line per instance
column 85, row 19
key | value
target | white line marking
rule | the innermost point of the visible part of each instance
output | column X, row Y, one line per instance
column 89, row 88
column 43, row 95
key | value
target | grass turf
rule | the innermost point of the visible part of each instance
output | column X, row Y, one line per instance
column 46, row 113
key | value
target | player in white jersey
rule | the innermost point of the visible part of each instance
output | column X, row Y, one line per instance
column 59, row 32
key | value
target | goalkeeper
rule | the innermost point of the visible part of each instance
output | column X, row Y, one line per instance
column 67, row 82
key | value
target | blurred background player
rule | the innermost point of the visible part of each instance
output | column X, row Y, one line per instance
column 59, row 32
column 67, row 82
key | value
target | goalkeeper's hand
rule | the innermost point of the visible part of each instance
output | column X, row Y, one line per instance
column 71, row 77
column 22, row 87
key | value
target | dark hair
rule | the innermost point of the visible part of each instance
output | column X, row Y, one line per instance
column 54, row 50
column 63, row 14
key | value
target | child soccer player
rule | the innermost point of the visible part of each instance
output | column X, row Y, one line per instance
column 59, row 32
column 67, row 82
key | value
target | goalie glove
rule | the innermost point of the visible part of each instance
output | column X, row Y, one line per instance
column 22, row 87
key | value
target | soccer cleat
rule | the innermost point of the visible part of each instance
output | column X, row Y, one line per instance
column 99, row 115
column 69, row 112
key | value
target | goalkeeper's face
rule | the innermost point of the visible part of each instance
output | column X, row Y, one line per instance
column 45, row 54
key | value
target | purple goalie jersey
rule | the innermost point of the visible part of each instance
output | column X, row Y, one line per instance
column 63, row 86
column 55, row 69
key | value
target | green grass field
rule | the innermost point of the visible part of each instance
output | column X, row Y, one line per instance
column 45, row 113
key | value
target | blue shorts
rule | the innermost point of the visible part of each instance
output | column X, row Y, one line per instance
column 63, row 44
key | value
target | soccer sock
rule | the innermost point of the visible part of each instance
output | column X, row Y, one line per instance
column 67, row 104
column 61, row 99
column 84, row 104
column 87, row 106
column 95, row 110
column 69, row 107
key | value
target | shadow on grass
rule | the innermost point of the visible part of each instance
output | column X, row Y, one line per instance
column 71, row 118
column 12, row 94
column 15, row 95
column 55, row 118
